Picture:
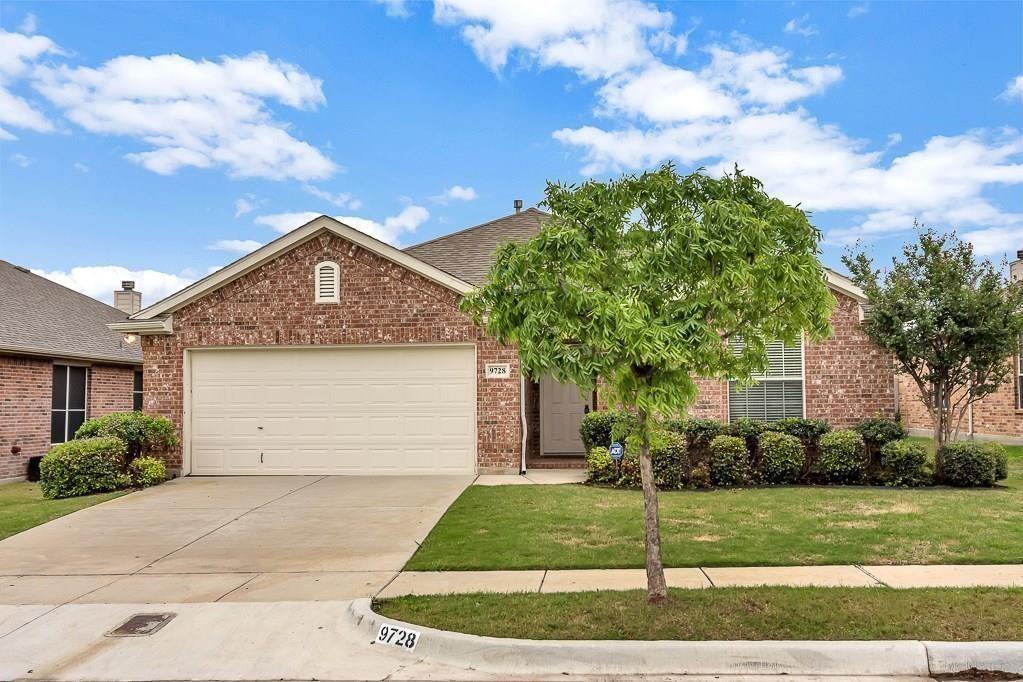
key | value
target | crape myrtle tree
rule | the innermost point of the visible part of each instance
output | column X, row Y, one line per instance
column 950, row 320
column 641, row 283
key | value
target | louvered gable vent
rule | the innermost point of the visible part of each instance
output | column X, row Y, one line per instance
column 328, row 282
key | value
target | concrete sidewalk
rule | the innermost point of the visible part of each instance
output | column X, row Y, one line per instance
column 454, row 582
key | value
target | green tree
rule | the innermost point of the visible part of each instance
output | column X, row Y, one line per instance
column 642, row 281
column 950, row 319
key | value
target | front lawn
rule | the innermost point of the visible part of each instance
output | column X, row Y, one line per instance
column 800, row 613
column 574, row 526
column 23, row 506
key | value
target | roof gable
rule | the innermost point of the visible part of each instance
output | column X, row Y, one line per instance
column 40, row 317
column 285, row 243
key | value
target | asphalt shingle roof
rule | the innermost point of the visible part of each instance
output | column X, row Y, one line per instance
column 469, row 253
column 41, row 317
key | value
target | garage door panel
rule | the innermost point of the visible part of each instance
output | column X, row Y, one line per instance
column 392, row 409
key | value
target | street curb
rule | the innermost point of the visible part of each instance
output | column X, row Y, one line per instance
column 953, row 657
column 572, row 657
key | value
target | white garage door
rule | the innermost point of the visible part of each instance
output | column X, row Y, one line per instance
column 391, row 409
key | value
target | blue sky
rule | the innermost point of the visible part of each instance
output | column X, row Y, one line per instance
column 161, row 140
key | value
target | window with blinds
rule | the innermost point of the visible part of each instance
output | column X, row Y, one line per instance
column 777, row 393
column 328, row 283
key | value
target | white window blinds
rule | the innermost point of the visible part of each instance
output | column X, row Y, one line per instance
column 777, row 393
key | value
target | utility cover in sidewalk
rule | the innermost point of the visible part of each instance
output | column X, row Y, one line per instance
column 141, row 625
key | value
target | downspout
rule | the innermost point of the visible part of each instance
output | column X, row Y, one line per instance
column 522, row 419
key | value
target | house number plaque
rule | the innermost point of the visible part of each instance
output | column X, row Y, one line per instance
column 498, row 371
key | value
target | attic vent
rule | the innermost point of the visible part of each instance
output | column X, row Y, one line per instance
column 328, row 282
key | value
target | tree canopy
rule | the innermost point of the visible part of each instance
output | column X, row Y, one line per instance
column 951, row 320
column 642, row 281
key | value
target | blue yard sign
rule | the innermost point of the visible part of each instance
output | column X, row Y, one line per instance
column 617, row 451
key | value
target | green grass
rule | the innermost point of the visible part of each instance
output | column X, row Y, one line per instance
column 800, row 613
column 22, row 506
column 574, row 526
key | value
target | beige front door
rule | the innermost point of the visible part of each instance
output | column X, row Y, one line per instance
column 561, row 412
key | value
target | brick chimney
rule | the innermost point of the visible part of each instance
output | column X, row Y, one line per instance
column 127, row 300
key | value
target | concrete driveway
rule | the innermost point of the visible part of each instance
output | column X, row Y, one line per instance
column 279, row 538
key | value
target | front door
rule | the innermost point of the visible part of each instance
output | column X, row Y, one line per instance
column 561, row 413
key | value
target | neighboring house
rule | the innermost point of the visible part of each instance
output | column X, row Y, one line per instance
column 59, row 364
column 329, row 352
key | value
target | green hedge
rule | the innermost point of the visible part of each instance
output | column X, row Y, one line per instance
column 729, row 461
column 600, row 428
column 82, row 467
column 781, row 458
column 140, row 433
column 147, row 471
column 842, row 457
column 904, row 464
column 967, row 464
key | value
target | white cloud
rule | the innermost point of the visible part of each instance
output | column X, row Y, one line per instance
column 21, row 160
column 859, row 10
column 1014, row 89
column 801, row 26
column 598, row 38
column 18, row 55
column 996, row 240
column 391, row 230
column 235, row 245
column 30, row 24
column 763, row 76
column 395, row 8
column 100, row 281
column 202, row 114
column 243, row 205
column 456, row 193
column 662, row 93
column 79, row 166
column 341, row 199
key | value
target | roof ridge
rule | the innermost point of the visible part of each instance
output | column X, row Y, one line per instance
column 531, row 209
column 28, row 271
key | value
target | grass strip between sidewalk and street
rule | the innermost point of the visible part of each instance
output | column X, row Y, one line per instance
column 576, row 526
column 22, row 506
column 761, row 613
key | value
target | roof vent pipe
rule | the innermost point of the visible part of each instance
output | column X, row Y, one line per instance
column 518, row 205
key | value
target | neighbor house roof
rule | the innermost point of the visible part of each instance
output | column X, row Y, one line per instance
column 40, row 317
column 469, row 253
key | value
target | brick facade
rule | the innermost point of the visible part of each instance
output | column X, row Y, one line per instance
column 26, row 394
column 993, row 415
column 846, row 378
column 381, row 303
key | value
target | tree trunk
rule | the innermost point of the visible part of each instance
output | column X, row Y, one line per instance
column 657, row 588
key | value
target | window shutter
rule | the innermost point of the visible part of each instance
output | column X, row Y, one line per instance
column 328, row 283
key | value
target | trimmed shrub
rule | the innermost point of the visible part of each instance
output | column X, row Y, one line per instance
column 729, row 461
column 147, row 471
column 842, row 458
column 966, row 464
column 600, row 468
column 997, row 450
column 747, row 429
column 83, row 466
column 671, row 460
column 781, row 457
column 598, row 428
column 904, row 463
column 808, row 431
column 878, row 431
column 699, row 434
column 139, row 432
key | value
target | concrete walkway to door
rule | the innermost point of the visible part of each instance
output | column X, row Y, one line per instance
column 271, row 538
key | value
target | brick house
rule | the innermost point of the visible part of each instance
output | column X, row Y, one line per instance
column 329, row 352
column 59, row 364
